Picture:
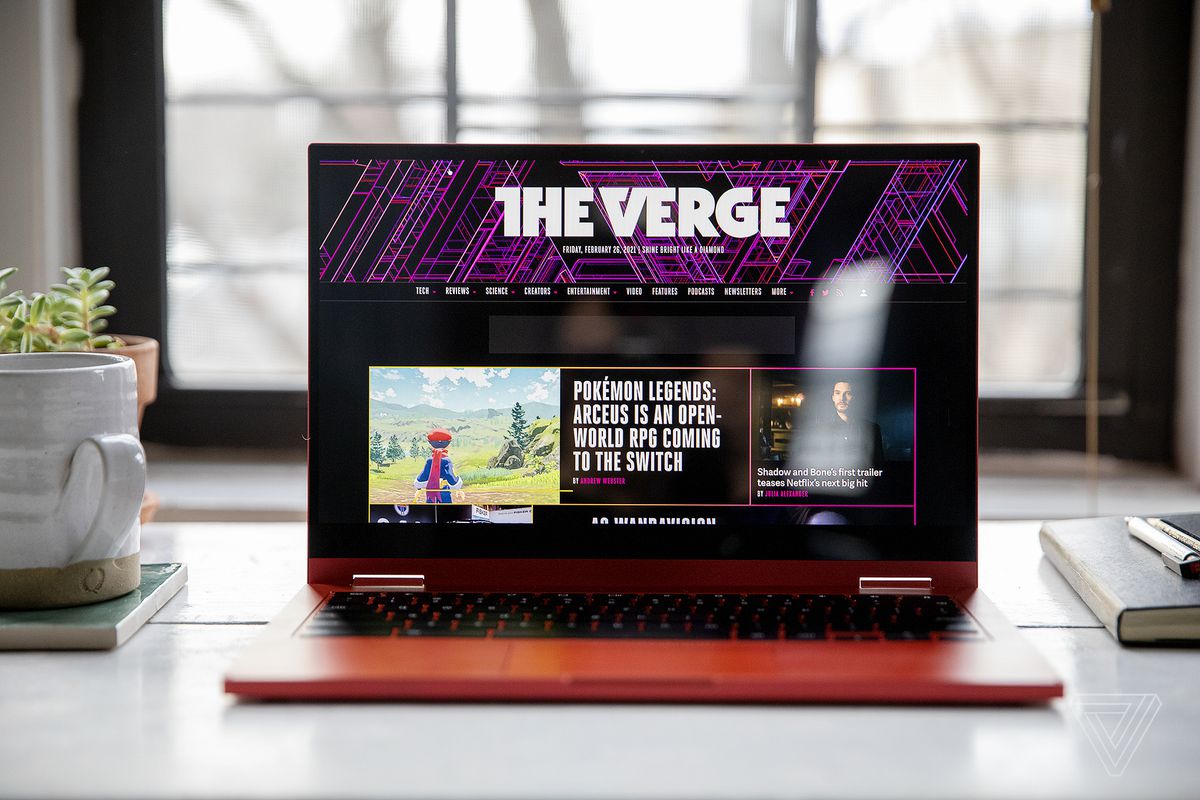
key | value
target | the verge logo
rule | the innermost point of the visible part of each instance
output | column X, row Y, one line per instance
column 1115, row 725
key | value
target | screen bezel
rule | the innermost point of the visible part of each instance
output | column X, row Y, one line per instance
column 338, row 546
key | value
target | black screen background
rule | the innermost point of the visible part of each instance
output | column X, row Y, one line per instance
column 932, row 327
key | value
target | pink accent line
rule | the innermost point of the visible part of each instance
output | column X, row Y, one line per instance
column 780, row 369
column 765, row 369
column 707, row 505
column 830, row 505
column 913, row 446
column 671, row 505
column 751, row 436
column 678, row 505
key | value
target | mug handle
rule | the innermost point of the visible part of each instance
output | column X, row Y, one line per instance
column 123, row 463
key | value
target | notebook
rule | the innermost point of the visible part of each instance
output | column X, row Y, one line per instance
column 684, row 423
column 1124, row 581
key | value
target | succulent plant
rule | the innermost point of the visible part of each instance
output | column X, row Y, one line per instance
column 70, row 316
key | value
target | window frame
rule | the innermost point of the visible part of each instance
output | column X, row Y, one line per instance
column 1142, row 146
column 122, row 186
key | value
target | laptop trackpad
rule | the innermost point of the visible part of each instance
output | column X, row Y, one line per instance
column 602, row 662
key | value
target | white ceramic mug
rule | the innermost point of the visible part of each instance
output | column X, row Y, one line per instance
column 72, row 475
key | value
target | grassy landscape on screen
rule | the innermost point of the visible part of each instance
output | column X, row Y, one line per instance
column 480, row 436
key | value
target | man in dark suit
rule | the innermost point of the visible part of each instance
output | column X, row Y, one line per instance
column 853, row 440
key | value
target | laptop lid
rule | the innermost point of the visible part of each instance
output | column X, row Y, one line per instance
column 737, row 362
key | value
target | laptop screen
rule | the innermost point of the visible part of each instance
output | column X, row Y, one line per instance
column 643, row 351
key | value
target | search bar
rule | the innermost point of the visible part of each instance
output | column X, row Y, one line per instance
column 527, row 334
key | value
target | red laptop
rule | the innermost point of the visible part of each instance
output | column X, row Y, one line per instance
column 664, row 423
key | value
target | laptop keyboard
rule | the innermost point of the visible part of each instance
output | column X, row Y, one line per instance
column 803, row 617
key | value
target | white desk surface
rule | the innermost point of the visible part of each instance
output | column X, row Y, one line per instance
column 150, row 719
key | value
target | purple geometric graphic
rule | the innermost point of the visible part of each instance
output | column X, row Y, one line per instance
column 438, row 221
column 907, row 238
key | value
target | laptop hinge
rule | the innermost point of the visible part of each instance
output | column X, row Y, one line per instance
column 402, row 583
column 892, row 585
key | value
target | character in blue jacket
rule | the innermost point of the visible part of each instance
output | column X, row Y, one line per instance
column 438, row 469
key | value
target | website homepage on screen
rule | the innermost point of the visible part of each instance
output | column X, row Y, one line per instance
column 633, row 351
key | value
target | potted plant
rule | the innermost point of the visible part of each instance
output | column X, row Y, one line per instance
column 73, row 316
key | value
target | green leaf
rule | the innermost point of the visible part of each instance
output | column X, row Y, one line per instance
column 99, row 297
column 104, row 286
column 75, row 336
column 104, row 341
column 103, row 311
column 72, row 272
column 99, row 325
column 97, row 274
column 18, row 324
column 6, row 273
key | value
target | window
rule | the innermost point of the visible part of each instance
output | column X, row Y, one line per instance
column 238, row 121
column 237, row 115
column 288, row 74
column 1014, row 77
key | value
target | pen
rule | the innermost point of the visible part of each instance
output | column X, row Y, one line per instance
column 1175, row 555
column 1181, row 536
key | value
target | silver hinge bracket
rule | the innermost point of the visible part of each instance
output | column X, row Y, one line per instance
column 892, row 585
column 396, row 583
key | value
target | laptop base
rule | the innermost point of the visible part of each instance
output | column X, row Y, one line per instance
column 1002, row 669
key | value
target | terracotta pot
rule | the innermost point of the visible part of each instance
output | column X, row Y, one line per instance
column 144, row 353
